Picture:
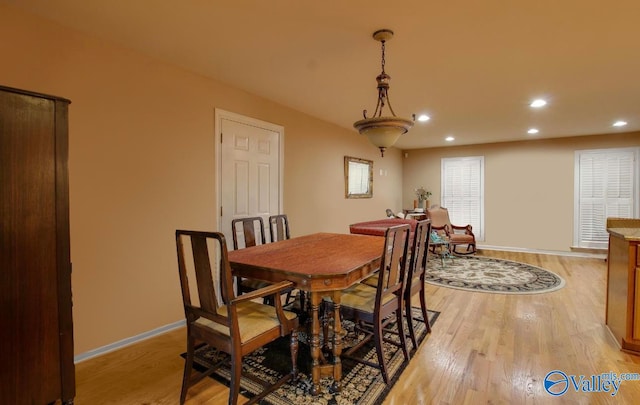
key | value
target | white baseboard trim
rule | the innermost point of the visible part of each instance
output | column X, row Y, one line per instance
column 544, row 252
column 128, row 341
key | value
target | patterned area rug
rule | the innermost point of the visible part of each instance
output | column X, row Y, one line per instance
column 485, row 274
column 361, row 385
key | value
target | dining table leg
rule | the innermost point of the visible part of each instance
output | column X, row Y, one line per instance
column 318, row 361
column 316, row 299
column 337, row 342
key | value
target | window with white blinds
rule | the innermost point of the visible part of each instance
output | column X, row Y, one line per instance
column 463, row 191
column 606, row 185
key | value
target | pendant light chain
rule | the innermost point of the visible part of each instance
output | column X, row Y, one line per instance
column 382, row 90
column 383, row 60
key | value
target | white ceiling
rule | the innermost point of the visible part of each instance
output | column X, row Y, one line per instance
column 473, row 66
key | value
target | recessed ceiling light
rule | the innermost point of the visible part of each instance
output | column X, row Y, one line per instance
column 537, row 103
column 423, row 118
column 533, row 131
column 620, row 123
column 449, row 139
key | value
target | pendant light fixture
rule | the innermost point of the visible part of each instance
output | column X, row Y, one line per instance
column 383, row 131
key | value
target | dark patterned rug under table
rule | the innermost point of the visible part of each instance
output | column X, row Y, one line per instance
column 361, row 385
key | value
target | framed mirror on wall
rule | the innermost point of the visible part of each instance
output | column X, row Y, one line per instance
column 358, row 177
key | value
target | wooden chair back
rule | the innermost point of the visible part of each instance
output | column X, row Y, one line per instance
column 279, row 230
column 439, row 217
column 279, row 227
column 205, row 275
column 392, row 275
column 416, row 275
column 418, row 259
column 247, row 232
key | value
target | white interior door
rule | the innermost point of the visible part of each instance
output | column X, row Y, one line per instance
column 250, row 175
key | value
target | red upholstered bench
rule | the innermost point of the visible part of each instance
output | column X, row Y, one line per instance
column 378, row 227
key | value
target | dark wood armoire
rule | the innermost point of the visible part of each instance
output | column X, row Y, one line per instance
column 36, row 327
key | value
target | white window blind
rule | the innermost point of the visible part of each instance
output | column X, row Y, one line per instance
column 606, row 186
column 463, row 191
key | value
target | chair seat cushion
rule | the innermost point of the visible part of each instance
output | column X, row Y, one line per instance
column 371, row 280
column 253, row 319
column 461, row 238
column 361, row 297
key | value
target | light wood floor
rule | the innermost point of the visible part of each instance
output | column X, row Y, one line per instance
column 484, row 349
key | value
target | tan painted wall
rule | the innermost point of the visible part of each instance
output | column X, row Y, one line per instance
column 142, row 164
column 528, row 186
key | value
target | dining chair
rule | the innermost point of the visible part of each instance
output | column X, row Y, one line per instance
column 248, row 232
column 279, row 230
column 415, row 277
column 372, row 308
column 235, row 325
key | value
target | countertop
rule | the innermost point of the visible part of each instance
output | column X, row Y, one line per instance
column 625, row 233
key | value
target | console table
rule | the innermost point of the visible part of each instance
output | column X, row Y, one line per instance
column 623, row 283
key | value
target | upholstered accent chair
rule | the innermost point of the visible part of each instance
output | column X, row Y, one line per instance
column 236, row 325
column 458, row 236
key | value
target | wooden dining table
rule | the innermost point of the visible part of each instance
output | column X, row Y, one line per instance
column 322, row 264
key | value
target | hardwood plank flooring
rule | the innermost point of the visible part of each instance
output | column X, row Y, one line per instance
column 484, row 349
